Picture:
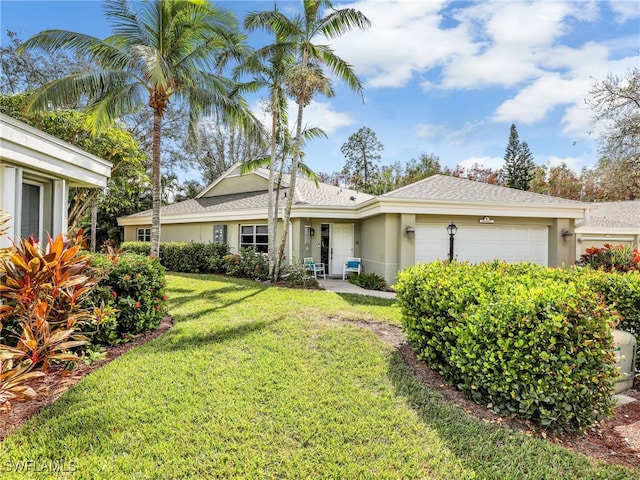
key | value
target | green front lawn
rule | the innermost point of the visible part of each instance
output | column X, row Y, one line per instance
column 254, row 382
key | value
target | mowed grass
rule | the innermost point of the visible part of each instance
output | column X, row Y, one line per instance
column 255, row 382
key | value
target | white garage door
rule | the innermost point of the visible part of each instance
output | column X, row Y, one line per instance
column 483, row 243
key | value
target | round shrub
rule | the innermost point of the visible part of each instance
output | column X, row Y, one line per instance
column 135, row 288
column 522, row 339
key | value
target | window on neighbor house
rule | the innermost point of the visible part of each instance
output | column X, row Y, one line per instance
column 32, row 211
column 144, row 235
column 220, row 233
column 254, row 236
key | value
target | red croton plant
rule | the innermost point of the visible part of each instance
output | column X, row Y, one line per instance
column 41, row 291
column 622, row 258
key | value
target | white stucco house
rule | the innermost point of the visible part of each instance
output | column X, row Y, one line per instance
column 36, row 171
column 388, row 232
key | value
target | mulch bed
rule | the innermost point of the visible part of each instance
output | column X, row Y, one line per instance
column 615, row 440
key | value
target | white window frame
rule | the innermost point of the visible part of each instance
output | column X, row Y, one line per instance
column 146, row 234
column 260, row 247
column 40, row 185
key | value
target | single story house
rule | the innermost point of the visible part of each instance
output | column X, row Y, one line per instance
column 616, row 223
column 36, row 171
column 388, row 232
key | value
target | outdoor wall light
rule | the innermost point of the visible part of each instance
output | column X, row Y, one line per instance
column 308, row 233
column 566, row 233
column 410, row 231
column 451, row 230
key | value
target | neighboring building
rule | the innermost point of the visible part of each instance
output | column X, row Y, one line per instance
column 389, row 232
column 616, row 223
column 36, row 171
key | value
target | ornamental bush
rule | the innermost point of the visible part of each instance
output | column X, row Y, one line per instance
column 248, row 263
column 188, row 257
column 521, row 339
column 620, row 258
column 134, row 287
column 369, row 281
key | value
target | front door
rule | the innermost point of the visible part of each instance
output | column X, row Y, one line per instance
column 341, row 246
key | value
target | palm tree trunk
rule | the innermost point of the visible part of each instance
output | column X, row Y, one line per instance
column 157, row 184
column 83, row 199
column 292, row 190
column 272, row 202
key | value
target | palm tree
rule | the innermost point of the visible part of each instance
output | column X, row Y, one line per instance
column 306, row 78
column 269, row 65
column 159, row 51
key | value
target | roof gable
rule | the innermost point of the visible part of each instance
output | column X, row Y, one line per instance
column 234, row 181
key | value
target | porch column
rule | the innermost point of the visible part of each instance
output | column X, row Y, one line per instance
column 8, row 177
column 60, row 208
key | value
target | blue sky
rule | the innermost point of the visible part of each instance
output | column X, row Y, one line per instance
column 441, row 77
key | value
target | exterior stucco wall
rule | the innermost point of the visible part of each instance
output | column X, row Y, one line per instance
column 196, row 232
column 381, row 245
column 562, row 242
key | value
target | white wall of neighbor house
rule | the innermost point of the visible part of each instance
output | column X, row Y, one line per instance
column 36, row 171
column 45, row 211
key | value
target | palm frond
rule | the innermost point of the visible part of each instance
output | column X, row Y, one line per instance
column 255, row 163
column 339, row 22
column 71, row 89
column 95, row 50
column 340, row 68
column 125, row 23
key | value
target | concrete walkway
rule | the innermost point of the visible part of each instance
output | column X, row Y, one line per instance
column 343, row 286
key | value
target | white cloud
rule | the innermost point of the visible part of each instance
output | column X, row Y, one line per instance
column 625, row 9
column 405, row 38
column 430, row 130
column 486, row 162
column 574, row 163
column 320, row 114
column 535, row 101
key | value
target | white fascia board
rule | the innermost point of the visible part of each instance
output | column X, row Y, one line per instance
column 206, row 217
column 310, row 211
column 29, row 147
column 607, row 231
column 435, row 207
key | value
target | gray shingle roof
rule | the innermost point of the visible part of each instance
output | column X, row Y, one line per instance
column 446, row 188
column 306, row 194
column 234, row 201
column 327, row 195
column 613, row 215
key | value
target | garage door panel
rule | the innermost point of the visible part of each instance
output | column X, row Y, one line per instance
column 477, row 244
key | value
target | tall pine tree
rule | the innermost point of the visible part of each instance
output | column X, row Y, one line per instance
column 519, row 167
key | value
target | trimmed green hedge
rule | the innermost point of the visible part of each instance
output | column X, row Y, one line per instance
column 521, row 339
column 621, row 291
column 135, row 288
column 185, row 257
